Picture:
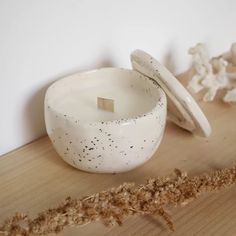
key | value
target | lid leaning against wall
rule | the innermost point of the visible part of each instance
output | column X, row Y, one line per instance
column 182, row 108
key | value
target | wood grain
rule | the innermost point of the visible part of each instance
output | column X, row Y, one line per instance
column 106, row 104
column 34, row 178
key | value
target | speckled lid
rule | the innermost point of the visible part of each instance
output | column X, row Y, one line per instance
column 182, row 108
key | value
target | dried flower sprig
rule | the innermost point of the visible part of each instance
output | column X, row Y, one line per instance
column 113, row 205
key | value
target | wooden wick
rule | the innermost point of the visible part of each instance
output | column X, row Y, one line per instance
column 106, row 104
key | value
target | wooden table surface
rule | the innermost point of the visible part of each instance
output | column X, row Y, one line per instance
column 34, row 178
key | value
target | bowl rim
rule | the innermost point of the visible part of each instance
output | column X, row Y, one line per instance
column 160, row 104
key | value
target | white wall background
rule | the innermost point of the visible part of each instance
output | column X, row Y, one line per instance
column 43, row 40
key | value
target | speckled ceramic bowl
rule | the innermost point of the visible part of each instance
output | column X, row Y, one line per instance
column 99, row 141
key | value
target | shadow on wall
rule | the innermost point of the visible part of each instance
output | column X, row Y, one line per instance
column 34, row 125
column 168, row 61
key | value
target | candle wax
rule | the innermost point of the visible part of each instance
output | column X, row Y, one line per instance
column 82, row 103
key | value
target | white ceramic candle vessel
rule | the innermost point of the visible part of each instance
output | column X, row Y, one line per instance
column 95, row 140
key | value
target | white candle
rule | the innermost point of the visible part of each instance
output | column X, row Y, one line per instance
column 81, row 103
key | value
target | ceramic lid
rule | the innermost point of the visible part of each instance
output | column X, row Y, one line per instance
column 182, row 108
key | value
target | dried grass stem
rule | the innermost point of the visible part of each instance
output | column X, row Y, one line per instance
column 113, row 205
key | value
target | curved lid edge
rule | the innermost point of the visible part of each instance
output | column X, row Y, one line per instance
column 189, row 115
